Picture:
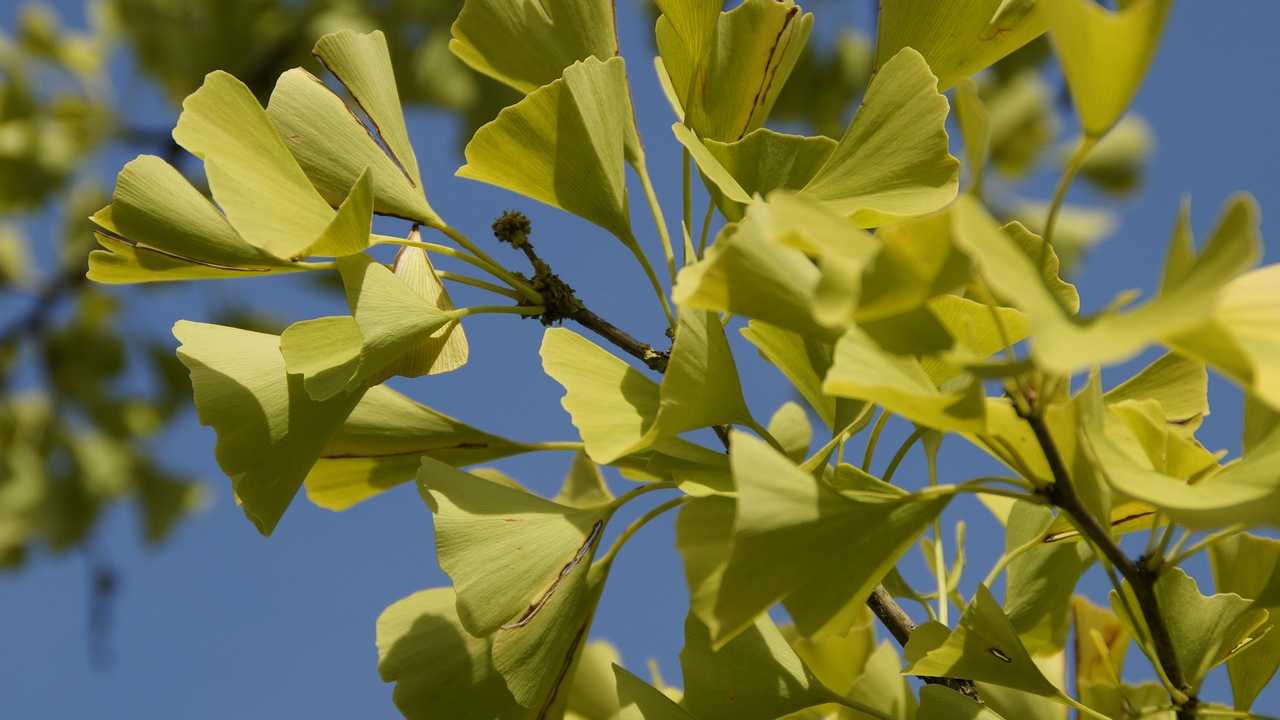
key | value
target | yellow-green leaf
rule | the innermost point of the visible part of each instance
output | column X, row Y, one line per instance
column 1249, row 566
column 804, row 362
column 642, row 701
column 1104, row 54
column 584, row 485
column 957, row 38
column 938, row 702
column 270, row 431
column 446, row 349
column 893, row 161
column 563, row 145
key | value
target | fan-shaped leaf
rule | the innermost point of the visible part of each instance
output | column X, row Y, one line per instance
column 1249, row 566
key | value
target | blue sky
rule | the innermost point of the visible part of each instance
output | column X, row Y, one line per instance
column 223, row 623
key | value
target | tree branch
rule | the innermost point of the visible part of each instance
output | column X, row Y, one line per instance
column 1141, row 578
column 562, row 303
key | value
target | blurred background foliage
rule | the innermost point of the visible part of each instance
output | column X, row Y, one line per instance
column 82, row 398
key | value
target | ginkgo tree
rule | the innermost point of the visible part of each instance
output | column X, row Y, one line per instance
column 877, row 283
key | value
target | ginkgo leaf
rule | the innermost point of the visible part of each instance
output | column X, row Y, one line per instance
column 938, row 702
column 381, row 443
column 917, row 262
column 1249, row 566
column 1039, row 582
column 803, row 361
column 728, row 76
column 900, row 384
column 1063, row 342
column 1179, row 384
column 958, row 39
column 1100, row 643
column 158, row 227
column 704, row 531
column 1104, row 54
column 446, row 349
column 1246, row 491
column 223, row 124
column 756, row 674
column 437, row 667
column 1242, row 340
column 783, row 512
column 527, row 43
column 746, row 273
column 758, row 164
column 1077, row 230
column 584, row 485
column 593, row 689
column 563, row 145
column 389, row 321
column 618, row 411
column 270, row 431
column 1023, row 122
column 790, row 427
column 521, row 567
column 985, row 647
column 1115, row 164
column 893, row 161
column 642, row 701
column 975, row 128
column 334, row 148
column 362, row 63
column 838, row 660
column 881, row 685
column 1206, row 630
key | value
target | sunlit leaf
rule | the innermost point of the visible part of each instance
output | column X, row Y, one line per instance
column 521, row 567
column 727, row 76
column 527, row 43
column 158, row 227
column 1117, row 162
column 1100, row 644
column 446, row 349
column 642, row 701
column 270, row 431
column 782, row 512
column 1205, row 631
column 975, row 128
column 1249, row 566
column 956, row 38
column 584, row 485
column 938, row 702
column 1039, row 582
column 985, row 647
column 439, row 668
column 380, row 445
column 790, row 427
column 803, row 362
column 593, row 690
column 1104, row 54
column 223, row 124
column 755, row 674
column 893, row 161
column 563, row 145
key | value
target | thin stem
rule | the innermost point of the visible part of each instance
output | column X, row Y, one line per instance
column 940, row 572
column 640, row 522
column 869, row 454
column 686, row 185
column 478, row 283
column 1177, row 558
column 525, row 310
column 488, row 266
column 1084, row 709
column 1000, row 492
column 655, row 207
column 636, row 492
column 1009, row 556
column 658, row 290
column 901, row 454
column 1141, row 581
column 706, row 226
column 1064, row 183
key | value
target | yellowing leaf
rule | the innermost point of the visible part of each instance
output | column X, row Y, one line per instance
column 642, row 701
column 584, row 486
column 1104, row 54
column 900, row 384
column 802, row 361
column 975, row 128
column 446, row 349
column 783, row 513
column 1063, row 342
column 270, row 431
column 1205, row 631
column 335, row 148
column 1039, row 583
column 521, row 567
column 158, row 227
column 254, row 178
column 619, row 411
column 790, row 427
column 984, row 647
column 527, row 43
column 1100, row 643
column 893, row 161
column 957, row 38
column 1116, row 163
column 563, row 145
column 438, row 668
column 1249, row 566
column 938, row 702
column 754, row 675
column 381, row 443
column 728, row 75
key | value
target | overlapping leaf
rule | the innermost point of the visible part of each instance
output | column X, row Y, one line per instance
column 1249, row 566
column 783, row 513
column 270, row 430
column 564, row 145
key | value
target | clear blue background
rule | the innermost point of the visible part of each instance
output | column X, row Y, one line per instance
column 224, row 623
